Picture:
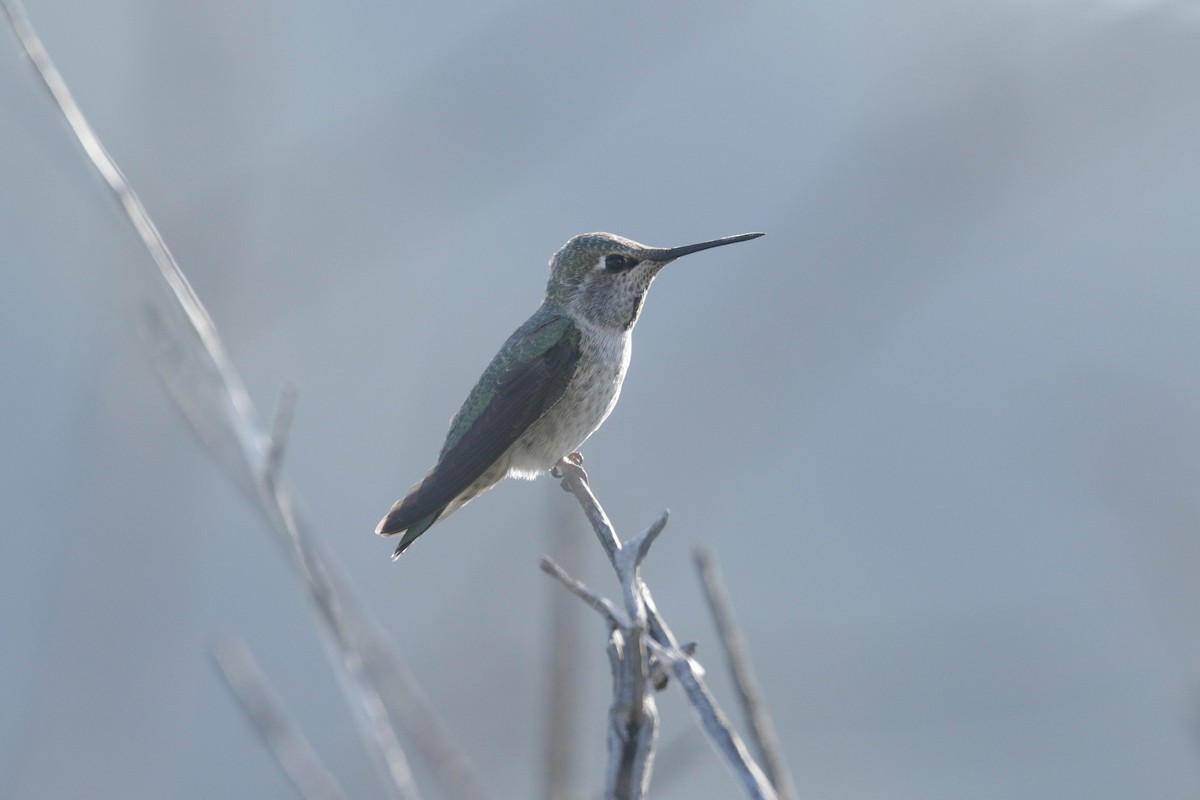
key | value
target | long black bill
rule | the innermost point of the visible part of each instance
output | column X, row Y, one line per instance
column 672, row 253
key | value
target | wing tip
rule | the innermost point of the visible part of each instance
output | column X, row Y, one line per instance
column 390, row 525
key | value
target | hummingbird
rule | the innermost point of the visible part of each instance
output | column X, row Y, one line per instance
column 552, row 384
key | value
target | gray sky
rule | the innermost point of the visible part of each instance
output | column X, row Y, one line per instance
column 939, row 424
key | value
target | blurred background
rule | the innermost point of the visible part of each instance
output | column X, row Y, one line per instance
column 940, row 425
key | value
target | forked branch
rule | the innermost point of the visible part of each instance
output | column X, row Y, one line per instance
column 641, row 650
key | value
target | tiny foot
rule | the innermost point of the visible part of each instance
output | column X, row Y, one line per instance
column 571, row 462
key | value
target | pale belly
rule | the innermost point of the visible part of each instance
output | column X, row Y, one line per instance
column 587, row 402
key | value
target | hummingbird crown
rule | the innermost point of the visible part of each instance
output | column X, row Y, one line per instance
column 603, row 278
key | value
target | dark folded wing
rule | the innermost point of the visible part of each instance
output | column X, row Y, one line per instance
column 526, row 378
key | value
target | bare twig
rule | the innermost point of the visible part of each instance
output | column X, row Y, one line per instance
column 641, row 543
column 352, row 637
column 601, row 605
column 650, row 636
column 285, row 739
column 633, row 713
column 628, row 559
column 632, row 717
column 762, row 730
column 200, row 374
column 716, row 725
column 575, row 481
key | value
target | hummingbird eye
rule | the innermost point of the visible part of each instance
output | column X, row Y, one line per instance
column 617, row 263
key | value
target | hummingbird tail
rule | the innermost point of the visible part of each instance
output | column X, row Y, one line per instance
column 403, row 519
column 413, row 532
column 425, row 505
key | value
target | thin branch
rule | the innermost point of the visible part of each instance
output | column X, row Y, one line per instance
column 351, row 633
column 601, row 605
column 292, row 751
column 642, row 542
column 633, row 713
column 716, row 725
column 199, row 372
column 575, row 481
column 762, row 730
column 632, row 717
column 665, row 652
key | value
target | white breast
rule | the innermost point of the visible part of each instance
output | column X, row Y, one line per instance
column 586, row 403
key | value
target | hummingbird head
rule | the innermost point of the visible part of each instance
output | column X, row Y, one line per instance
column 603, row 277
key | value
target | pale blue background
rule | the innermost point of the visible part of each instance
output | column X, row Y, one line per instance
column 942, row 424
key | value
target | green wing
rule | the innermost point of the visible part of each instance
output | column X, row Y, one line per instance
column 526, row 378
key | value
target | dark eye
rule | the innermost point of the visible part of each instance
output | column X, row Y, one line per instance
column 615, row 263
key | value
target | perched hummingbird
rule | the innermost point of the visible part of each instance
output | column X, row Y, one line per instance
column 553, row 382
